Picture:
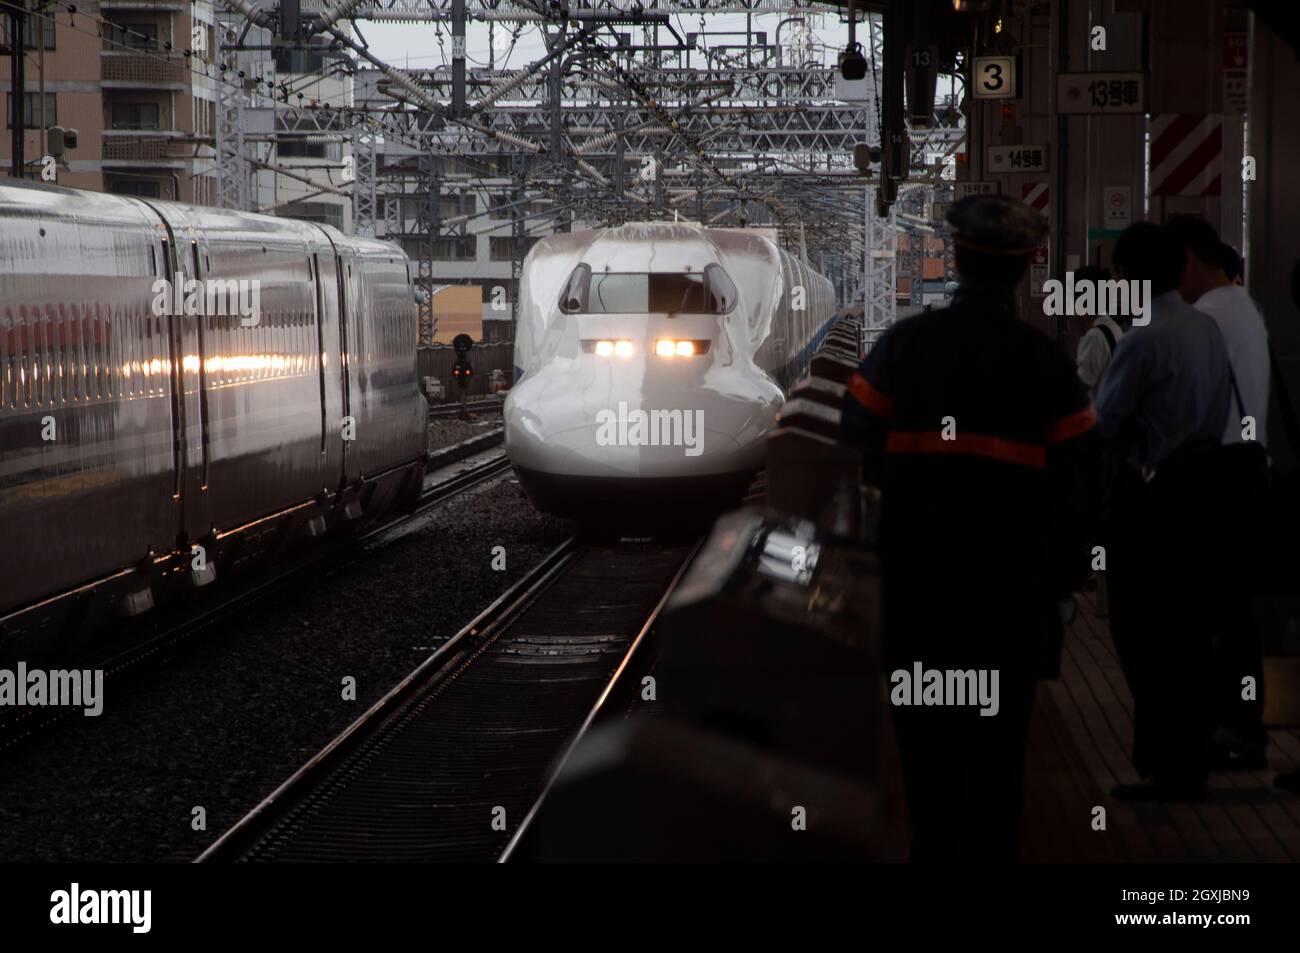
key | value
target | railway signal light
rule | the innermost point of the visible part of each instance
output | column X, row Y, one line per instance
column 853, row 65
column 462, row 371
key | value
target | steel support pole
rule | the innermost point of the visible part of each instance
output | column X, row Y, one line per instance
column 458, row 57
column 18, row 85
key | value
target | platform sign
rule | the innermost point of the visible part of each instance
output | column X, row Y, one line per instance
column 1101, row 93
column 1235, row 58
column 1004, row 159
column 994, row 77
column 1117, row 206
column 852, row 90
column 1038, row 271
column 967, row 189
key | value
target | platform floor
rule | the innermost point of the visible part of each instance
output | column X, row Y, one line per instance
column 1079, row 747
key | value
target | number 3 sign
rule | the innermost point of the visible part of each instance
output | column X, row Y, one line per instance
column 994, row 77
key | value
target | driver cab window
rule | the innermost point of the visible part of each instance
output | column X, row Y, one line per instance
column 707, row 292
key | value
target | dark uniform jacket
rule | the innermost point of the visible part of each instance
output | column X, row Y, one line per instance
column 978, row 431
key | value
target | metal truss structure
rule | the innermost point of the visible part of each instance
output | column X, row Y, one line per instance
column 232, row 167
column 597, row 131
column 509, row 11
column 880, row 272
column 365, row 145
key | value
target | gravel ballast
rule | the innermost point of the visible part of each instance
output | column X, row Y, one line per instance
column 231, row 715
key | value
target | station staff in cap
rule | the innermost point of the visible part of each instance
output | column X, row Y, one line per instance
column 977, row 430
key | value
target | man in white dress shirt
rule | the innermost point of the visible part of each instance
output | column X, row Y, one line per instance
column 1207, row 283
column 1098, row 343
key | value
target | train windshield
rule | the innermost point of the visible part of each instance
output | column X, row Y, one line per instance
column 706, row 292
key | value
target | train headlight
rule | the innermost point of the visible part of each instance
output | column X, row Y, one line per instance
column 605, row 348
column 672, row 347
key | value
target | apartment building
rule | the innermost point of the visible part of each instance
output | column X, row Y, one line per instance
column 118, row 73
column 314, row 182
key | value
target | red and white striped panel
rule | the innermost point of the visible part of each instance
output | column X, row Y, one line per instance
column 1186, row 154
column 1037, row 195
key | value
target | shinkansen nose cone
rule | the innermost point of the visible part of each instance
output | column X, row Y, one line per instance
column 649, row 361
column 639, row 413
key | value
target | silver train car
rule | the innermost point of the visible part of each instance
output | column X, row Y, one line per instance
column 651, row 359
column 147, row 444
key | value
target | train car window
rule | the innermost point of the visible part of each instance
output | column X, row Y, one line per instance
column 638, row 293
column 574, row 297
column 153, row 264
column 313, row 266
column 44, row 394
column 722, row 292
column 76, row 352
column 6, row 360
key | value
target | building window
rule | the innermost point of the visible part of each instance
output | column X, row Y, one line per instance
column 454, row 206
column 133, row 36
column 505, row 205
column 32, row 111
column 327, row 213
column 300, row 149
column 30, row 30
column 502, row 247
column 135, row 116
column 145, row 188
column 30, row 33
column 297, row 61
column 456, row 249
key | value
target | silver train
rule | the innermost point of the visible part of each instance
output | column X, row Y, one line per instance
column 145, row 447
column 651, row 359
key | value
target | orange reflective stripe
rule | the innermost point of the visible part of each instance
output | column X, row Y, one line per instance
column 980, row 445
column 870, row 398
column 1072, row 425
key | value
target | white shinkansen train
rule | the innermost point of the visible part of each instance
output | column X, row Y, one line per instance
column 650, row 361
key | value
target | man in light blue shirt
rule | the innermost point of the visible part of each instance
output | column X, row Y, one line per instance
column 1240, row 742
column 1167, row 384
column 1164, row 405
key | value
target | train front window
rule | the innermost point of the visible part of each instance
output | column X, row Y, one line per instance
column 707, row 292
column 722, row 293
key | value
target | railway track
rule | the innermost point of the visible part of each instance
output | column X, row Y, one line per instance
column 485, row 405
column 448, row 764
column 449, row 481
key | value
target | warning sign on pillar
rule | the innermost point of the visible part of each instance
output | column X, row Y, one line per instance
column 1117, row 202
column 1038, row 271
column 1037, row 195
